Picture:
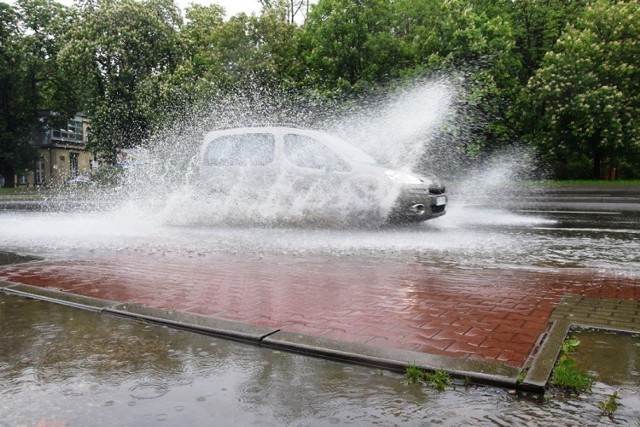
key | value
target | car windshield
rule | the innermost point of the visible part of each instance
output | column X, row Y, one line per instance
column 249, row 149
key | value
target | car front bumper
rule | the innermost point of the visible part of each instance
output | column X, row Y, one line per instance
column 416, row 204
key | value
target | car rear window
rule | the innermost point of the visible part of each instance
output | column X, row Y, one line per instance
column 250, row 149
column 306, row 152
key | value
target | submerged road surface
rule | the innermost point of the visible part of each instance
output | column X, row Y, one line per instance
column 476, row 285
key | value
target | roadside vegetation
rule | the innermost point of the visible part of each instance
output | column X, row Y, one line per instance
column 589, row 183
column 438, row 380
column 558, row 77
column 610, row 406
column 21, row 192
column 566, row 375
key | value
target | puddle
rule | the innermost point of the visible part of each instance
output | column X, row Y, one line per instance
column 612, row 358
column 81, row 366
column 464, row 238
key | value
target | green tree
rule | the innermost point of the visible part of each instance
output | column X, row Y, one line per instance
column 474, row 40
column 173, row 93
column 275, row 37
column 114, row 48
column 46, row 24
column 537, row 26
column 14, row 118
column 292, row 8
column 241, row 50
column 585, row 97
column 221, row 57
column 348, row 45
column 30, row 78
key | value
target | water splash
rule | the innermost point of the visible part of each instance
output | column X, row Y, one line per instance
column 398, row 129
column 158, row 189
column 394, row 129
column 498, row 178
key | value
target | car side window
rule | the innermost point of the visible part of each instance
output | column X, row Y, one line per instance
column 306, row 152
column 249, row 149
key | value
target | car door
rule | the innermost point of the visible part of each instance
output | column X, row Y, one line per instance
column 241, row 164
column 315, row 172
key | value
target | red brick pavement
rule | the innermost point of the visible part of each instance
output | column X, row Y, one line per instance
column 489, row 314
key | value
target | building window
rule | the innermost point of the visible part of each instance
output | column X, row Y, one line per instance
column 40, row 171
column 74, row 130
column 73, row 164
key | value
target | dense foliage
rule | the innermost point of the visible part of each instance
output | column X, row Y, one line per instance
column 561, row 76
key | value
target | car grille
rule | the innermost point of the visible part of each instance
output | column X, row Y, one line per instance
column 436, row 190
column 437, row 209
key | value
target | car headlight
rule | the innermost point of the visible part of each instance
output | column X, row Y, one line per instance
column 402, row 177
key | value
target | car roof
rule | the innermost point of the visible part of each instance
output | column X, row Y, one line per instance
column 255, row 129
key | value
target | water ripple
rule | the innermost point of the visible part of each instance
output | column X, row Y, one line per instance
column 148, row 391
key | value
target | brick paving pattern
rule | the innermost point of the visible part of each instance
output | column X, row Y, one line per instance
column 599, row 312
column 480, row 314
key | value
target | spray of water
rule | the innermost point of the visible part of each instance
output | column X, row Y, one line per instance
column 394, row 129
column 402, row 130
column 160, row 205
column 497, row 179
column 399, row 128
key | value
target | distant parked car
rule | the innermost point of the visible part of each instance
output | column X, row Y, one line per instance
column 79, row 181
column 316, row 168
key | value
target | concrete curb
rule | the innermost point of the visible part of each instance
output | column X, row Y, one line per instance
column 360, row 354
column 192, row 322
column 393, row 359
column 542, row 366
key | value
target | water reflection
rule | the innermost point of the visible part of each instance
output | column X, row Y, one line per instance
column 63, row 366
column 613, row 359
column 616, row 368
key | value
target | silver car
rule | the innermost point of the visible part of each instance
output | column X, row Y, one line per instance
column 312, row 171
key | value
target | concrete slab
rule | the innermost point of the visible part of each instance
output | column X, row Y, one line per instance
column 579, row 311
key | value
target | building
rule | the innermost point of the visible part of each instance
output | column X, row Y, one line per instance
column 62, row 154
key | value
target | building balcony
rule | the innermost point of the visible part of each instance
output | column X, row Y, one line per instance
column 66, row 137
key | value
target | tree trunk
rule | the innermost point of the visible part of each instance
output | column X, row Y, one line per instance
column 597, row 163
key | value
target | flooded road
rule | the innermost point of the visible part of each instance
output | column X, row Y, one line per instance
column 64, row 366
column 67, row 366
column 467, row 237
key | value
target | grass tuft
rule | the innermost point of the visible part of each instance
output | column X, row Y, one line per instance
column 610, row 405
column 439, row 380
column 414, row 374
column 566, row 375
